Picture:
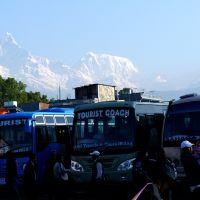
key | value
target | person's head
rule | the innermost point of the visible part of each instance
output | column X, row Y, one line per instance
column 186, row 146
column 95, row 154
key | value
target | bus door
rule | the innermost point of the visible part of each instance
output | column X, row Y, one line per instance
column 148, row 133
column 63, row 137
column 52, row 138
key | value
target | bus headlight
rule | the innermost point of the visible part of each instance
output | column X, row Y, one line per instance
column 75, row 166
column 126, row 165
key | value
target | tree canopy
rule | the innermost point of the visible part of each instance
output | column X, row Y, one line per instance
column 12, row 90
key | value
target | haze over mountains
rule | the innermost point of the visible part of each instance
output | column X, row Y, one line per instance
column 46, row 76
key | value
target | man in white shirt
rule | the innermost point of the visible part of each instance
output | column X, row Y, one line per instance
column 97, row 169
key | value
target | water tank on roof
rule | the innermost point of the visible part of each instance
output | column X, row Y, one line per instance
column 10, row 104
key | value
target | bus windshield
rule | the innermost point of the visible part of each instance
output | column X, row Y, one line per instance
column 108, row 129
column 14, row 136
column 182, row 123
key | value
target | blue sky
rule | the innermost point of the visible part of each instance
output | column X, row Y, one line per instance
column 161, row 38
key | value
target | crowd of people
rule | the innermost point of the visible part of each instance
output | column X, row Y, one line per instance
column 56, row 178
column 154, row 175
column 155, row 178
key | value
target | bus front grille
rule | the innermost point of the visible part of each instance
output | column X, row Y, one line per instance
column 107, row 162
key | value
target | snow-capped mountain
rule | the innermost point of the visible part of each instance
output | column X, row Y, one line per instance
column 47, row 76
column 44, row 75
column 107, row 69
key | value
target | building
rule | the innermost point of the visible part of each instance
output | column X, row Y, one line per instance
column 87, row 94
column 99, row 92
column 128, row 94
column 33, row 106
column 69, row 103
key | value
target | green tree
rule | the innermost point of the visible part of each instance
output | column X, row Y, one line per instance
column 11, row 90
column 36, row 97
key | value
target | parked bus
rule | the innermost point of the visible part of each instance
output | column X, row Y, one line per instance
column 39, row 132
column 118, row 129
column 182, row 122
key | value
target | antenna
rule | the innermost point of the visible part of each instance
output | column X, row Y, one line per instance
column 59, row 93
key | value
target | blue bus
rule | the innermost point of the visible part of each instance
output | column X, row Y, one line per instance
column 39, row 132
column 182, row 122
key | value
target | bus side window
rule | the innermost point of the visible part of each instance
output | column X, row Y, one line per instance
column 153, row 140
column 141, row 132
column 90, row 129
column 63, row 135
column 41, row 138
column 98, row 133
column 159, row 126
column 187, row 122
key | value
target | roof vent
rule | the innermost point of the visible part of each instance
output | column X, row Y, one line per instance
column 188, row 95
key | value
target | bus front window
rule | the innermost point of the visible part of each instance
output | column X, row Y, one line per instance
column 14, row 138
column 112, row 132
column 182, row 126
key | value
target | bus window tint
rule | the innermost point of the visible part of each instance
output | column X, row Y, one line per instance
column 51, row 132
column 39, row 119
column 15, row 138
column 141, row 128
column 98, row 130
column 49, row 120
column 182, row 122
column 119, row 124
column 79, row 129
column 41, row 137
column 149, row 128
column 153, row 140
column 62, row 134
column 60, row 119
column 99, row 133
column 70, row 120
column 181, row 125
column 90, row 128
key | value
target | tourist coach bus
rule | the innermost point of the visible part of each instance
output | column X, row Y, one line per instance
column 118, row 129
column 182, row 122
column 39, row 132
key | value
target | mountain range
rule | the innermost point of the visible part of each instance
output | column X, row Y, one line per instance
column 55, row 78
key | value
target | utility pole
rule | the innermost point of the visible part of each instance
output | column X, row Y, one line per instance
column 59, row 95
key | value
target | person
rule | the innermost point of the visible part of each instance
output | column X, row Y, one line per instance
column 196, row 151
column 98, row 176
column 143, row 184
column 156, row 171
column 11, row 176
column 191, row 167
column 29, row 178
column 139, row 172
column 61, row 178
column 97, row 169
column 49, row 180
